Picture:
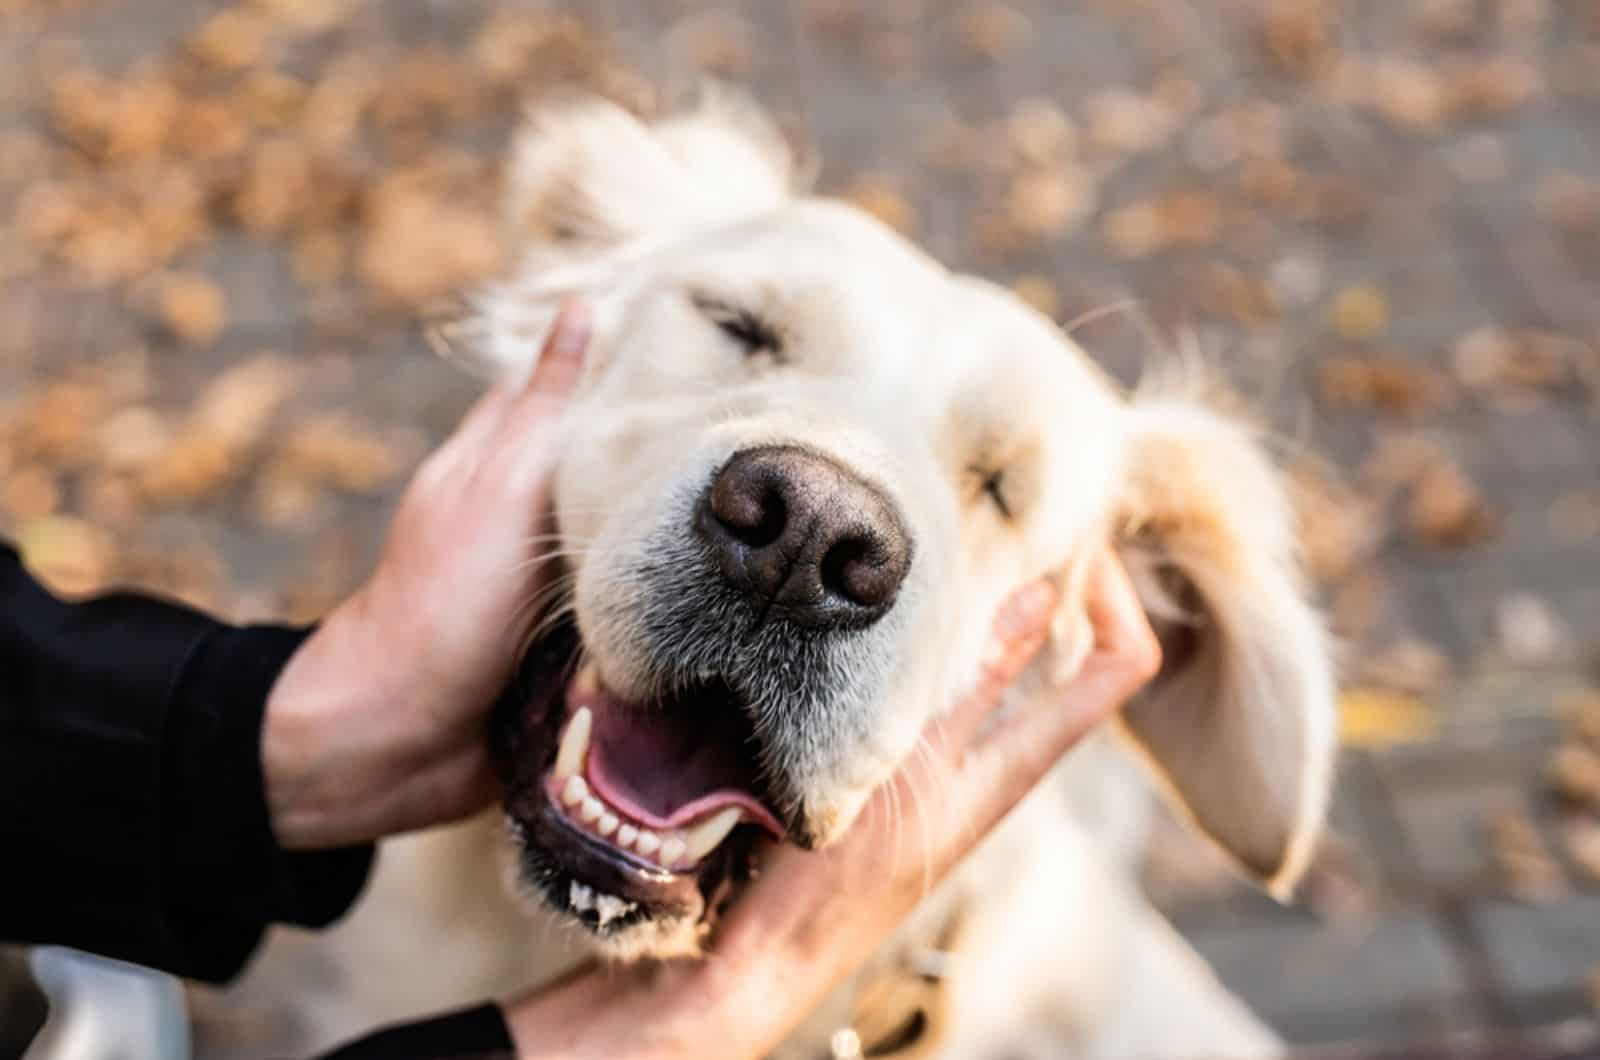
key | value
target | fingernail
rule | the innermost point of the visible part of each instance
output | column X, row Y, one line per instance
column 573, row 327
column 1026, row 610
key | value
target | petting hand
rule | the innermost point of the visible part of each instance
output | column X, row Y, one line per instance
column 813, row 918
column 377, row 725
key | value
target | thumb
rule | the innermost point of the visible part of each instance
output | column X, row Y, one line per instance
column 558, row 370
column 1126, row 657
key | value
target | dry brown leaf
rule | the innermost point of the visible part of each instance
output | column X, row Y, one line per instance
column 1491, row 87
column 193, row 309
column 132, row 439
column 991, row 30
column 883, row 198
column 209, row 130
column 1339, row 530
column 232, row 39
column 1376, row 718
column 1407, row 666
column 336, row 450
column 305, row 16
column 1583, row 718
column 1410, row 96
column 1570, row 202
column 69, row 555
column 420, row 245
column 1383, row 381
column 1574, row 775
column 29, row 492
column 1360, row 313
column 1047, row 202
column 278, row 180
column 1446, row 509
column 1179, row 219
column 1297, row 35
column 1128, row 123
column 1231, row 294
column 1040, row 132
column 1522, row 858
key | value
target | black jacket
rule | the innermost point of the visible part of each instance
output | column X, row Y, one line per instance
column 132, row 813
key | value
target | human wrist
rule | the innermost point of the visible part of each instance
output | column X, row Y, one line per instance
column 315, row 747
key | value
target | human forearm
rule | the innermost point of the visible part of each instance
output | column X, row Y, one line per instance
column 129, row 744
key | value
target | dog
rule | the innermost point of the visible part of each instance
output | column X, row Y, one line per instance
column 805, row 465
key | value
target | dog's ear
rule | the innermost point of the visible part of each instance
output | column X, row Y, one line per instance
column 1240, row 722
column 587, row 176
column 590, row 187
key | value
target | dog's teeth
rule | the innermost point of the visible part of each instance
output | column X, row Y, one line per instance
column 574, row 791
column 672, row 849
column 587, row 683
column 703, row 838
column 626, row 835
column 574, row 744
column 609, row 907
column 647, row 843
column 591, row 809
column 608, row 824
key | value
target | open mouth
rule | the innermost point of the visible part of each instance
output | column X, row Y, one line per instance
column 645, row 810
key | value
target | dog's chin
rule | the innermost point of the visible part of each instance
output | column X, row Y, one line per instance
column 635, row 821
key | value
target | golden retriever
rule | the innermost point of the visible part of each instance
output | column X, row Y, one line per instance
column 806, row 464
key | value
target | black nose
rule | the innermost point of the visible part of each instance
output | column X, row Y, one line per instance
column 798, row 531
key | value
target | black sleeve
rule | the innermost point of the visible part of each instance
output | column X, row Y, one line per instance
column 132, row 813
column 472, row 1034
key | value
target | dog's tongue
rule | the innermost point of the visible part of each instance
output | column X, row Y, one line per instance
column 673, row 763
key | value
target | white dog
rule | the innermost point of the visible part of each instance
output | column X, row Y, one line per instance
column 806, row 465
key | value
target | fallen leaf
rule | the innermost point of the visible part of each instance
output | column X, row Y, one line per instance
column 1375, row 718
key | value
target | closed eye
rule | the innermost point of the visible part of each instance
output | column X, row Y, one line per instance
column 993, row 484
column 749, row 329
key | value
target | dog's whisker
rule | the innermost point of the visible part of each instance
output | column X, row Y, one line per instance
column 1088, row 317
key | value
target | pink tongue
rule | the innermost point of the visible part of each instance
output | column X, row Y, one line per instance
column 670, row 770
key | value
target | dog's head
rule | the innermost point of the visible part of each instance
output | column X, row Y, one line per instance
column 805, row 466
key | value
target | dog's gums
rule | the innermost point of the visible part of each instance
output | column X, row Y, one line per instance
column 625, row 787
column 628, row 813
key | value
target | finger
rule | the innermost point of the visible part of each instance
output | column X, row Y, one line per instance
column 1019, row 631
column 1125, row 657
column 482, row 418
column 558, row 370
column 1121, row 627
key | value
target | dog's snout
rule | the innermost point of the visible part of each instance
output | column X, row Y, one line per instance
column 797, row 529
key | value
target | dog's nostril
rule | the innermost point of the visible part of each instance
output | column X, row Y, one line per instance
column 754, row 512
column 857, row 570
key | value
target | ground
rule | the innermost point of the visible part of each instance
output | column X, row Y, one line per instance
column 224, row 229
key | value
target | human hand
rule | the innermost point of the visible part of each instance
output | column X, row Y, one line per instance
column 813, row 918
column 377, row 724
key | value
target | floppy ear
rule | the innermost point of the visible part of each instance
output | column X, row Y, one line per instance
column 590, row 187
column 587, row 176
column 1240, row 722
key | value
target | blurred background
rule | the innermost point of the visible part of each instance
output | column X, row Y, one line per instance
column 224, row 228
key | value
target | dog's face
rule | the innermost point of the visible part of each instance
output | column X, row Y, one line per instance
column 806, row 464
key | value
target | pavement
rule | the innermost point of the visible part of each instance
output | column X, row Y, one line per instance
column 1382, row 220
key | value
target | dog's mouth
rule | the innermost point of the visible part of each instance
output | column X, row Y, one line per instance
column 645, row 810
